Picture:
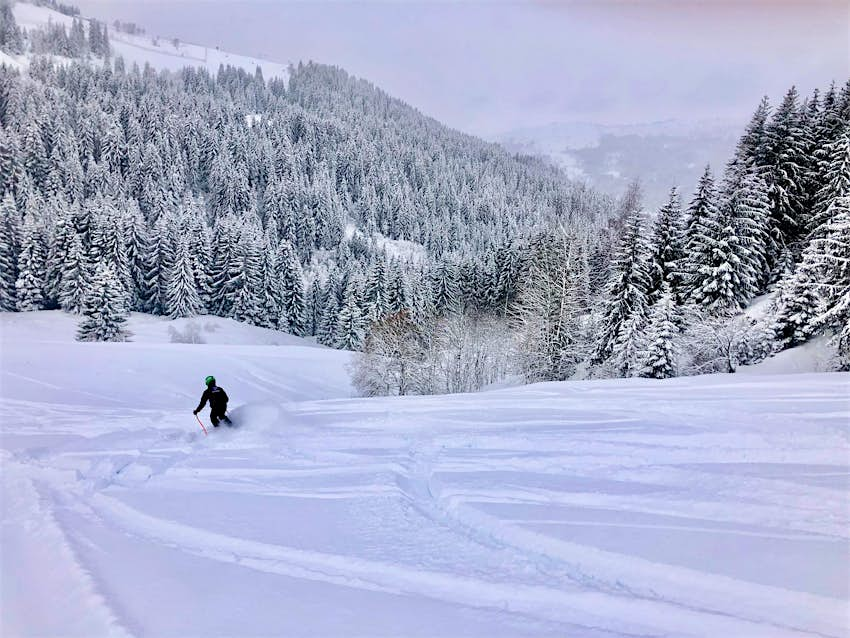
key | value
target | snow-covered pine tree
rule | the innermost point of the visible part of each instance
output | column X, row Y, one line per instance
column 314, row 307
column 225, row 273
column 10, row 222
column 197, row 234
column 828, row 257
column 375, row 292
column 35, row 158
column 59, row 244
column 752, row 149
column 398, row 295
column 350, row 327
column 785, row 161
column 629, row 349
column 795, row 306
column 834, row 176
column 158, row 261
column 75, row 277
column 272, row 299
column 700, row 217
column 666, row 256
column 31, row 267
column 747, row 199
column 444, row 287
column 293, row 308
column 182, row 298
column 626, row 294
column 719, row 278
column 661, row 360
column 248, row 304
column 137, row 243
column 325, row 333
column 104, row 308
column 507, row 268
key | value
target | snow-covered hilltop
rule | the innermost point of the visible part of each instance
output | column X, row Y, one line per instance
column 160, row 53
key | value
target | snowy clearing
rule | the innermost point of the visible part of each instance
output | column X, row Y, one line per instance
column 712, row 506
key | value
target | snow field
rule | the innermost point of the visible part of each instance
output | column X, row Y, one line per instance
column 710, row 506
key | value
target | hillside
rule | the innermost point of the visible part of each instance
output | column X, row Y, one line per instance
column 695, row 507
column 160, row 53
column 265, row 183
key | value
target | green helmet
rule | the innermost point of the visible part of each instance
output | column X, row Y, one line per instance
column 210, row 380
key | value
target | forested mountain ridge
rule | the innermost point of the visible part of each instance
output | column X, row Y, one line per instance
column 222, row 188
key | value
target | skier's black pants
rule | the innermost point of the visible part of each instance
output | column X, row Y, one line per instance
column 216, row 416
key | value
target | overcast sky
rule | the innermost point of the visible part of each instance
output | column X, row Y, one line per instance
column 489, row 67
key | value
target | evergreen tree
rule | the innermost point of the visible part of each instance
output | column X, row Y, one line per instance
column 59, row 245
column 35, row 158
column 796, row 306
column 835, row 180
column 31, row 268
column 248, row 304
column 666, row 258
column 137, row 245
column 627, row 351
column 445, row 288
column 719, row 279
column 159, row 260
column 747, row 201
column 326, row 331
column 626, row 294
column 293, row 310
column 75, row 278
column 827, row 257
column 662, row 350
column 182, row 298
column 9, row 250
column 314, row 307
column 398, row 295
column 702, row 214
column 226, row 270
column 375, row 292
column 351, row 325
column 785, row 163
column 104, row 308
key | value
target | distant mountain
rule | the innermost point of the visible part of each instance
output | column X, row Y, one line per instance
column 662, row 154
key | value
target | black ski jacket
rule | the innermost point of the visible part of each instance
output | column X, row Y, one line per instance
column 217, row 398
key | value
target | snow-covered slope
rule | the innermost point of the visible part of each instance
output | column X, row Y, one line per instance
column 711, row 506
column 160, row 53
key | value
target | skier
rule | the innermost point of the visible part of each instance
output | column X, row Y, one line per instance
column 218, row 402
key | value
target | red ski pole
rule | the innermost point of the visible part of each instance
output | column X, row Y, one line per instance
column 201, row 424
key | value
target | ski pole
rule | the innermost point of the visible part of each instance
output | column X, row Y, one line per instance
column 201, row 424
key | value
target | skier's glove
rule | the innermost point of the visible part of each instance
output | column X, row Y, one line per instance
column 195, row 412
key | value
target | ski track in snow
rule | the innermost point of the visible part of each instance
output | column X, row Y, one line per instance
column 714, row 506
